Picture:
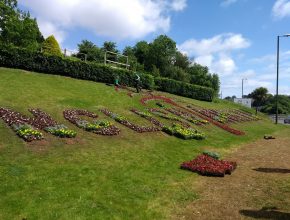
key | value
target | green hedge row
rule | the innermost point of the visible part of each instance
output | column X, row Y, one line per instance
column 36, row 61
column 184, row 89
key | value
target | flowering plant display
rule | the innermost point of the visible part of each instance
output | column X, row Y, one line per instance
column 185, row 133
column 187, row 116
column 194, row 112
column 26, row 132
column 148, row 117
column 209, row 166
column 61, row 131
column 124, row 121
column 97, row 127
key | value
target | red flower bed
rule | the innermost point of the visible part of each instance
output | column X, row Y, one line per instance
column 208, row 166
column 122, row 120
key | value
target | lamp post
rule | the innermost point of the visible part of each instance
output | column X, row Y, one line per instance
column 243, row 87
column 277, row 81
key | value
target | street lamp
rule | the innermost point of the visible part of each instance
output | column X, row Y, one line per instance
column 277, row 81
column 243, row 87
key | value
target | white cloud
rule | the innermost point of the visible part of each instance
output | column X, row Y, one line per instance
column 226, row 3
column 219, row 43
column 281, row 9
column 215, row 52
column 117, row 19
column 178, row 5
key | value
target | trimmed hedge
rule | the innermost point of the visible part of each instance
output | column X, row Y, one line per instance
column 35, row 61
column 184, row 89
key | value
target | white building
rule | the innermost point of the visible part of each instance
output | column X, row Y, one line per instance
column 244, row 101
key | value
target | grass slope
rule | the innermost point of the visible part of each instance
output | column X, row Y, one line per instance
column 130, row 176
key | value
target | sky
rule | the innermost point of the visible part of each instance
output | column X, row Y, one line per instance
column 237, row 39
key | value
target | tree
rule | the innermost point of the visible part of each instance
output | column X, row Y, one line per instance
column 50, row 46
column 283, row 105
column 260, row 96
column 17, row 28
column 110, row 46
column 90, row 50
column 129, row 52
column 181, row 60
column 141, row 50
column 161, row 53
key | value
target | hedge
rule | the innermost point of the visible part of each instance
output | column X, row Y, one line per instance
column 38, row 62
column 184, row 89
column 35, row 61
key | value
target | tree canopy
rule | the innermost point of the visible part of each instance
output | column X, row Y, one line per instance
column 17, row 28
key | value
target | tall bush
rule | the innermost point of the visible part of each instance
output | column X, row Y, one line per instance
column 51, row 47
column 184, row 89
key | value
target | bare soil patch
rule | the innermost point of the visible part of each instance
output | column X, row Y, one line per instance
column 258, row 189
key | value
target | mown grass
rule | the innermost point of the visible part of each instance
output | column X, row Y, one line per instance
column 130, row 176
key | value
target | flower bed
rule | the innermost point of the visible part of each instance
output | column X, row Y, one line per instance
column 184, row 133
column 124, row 121
column 26, row 132
column 21, row 124
column 61, row 131
column 208, row 166
column 187, row 116
column 97, row 127
column 196, row 113
column 148, row 117
column 44, row 121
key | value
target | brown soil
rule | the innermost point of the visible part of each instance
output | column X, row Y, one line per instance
column 258, row 189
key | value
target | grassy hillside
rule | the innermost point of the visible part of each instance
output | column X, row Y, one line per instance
column 129, row 176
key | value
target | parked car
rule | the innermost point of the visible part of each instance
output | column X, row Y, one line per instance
column 287, row 120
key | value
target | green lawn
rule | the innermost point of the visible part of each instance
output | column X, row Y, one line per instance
column 130, row 176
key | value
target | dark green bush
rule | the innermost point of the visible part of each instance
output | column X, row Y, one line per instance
column 36, row 61
column 184, row 89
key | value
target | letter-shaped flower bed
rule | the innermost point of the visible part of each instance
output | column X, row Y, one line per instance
column 184, row 133
column 124, row 121
column 176, row 130
column 44, row 121
column 194, row 112
column 26, row 132
column 208, row 166
column 20, row 124
column 97, row 127
column 187, row 116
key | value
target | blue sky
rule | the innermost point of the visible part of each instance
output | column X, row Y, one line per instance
column 234, row 38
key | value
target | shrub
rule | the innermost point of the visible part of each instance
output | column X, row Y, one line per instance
column 184, row 89
column 35, row 61
column 50, row 46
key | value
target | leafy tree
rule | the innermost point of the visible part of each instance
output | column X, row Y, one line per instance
column 90, row 50
column 110, row 46
column 17, row 28
column 51, row 46
column 181, row 60
column 177, row 73
column 129, row 51
column 260, row 96
column 161, row 53
column 141, row 50
column 283, row 105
